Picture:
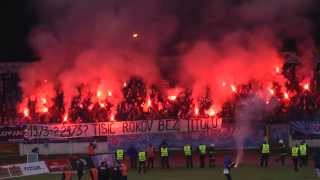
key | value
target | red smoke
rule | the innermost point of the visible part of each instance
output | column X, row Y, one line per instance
column 102, row 44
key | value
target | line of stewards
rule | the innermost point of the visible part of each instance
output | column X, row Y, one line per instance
column 164, row 156
column 142, row 155
column 265, row 152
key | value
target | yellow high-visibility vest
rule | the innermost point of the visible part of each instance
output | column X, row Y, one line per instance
column 187, row 150
column 303, row 149
column 294, row 151
column 119, row 154
column 142, row 156
column 202, row 149
column 164, row 152
column 265, row 148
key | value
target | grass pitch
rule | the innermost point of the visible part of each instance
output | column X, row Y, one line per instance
column 241, row 173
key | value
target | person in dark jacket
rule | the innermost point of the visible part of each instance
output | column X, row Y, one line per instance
column 103, row 171
column 132, row 153
column 283, row 152
column 80, row 168
column 316, row 159
column 116, row 173
column 227, row 165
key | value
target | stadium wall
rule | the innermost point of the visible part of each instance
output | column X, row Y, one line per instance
column 62, row 148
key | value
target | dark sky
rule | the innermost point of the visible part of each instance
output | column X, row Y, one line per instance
column 18, row 17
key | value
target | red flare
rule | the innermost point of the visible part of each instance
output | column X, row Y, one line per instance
column 271, row 91
column 172, row 98
column 149, row 102
column 26, row 112
column 65, row 118
column 306, row 86
column 91, row 107
column 109, row 93
column 196, row 111
column 112, row 117
column 45, row 109
column 211, row 112
column 135, row 35
column 286, row 95
column 102, row 105
column 124, row 84
column 278, row 70
column 44, row 100
column 224, row 84
column 99, row 93
column 233, row 88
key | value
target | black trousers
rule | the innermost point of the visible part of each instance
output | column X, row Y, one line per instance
column 133, row 163
column 212, row 161
column 142, row 166
column 189, row 163
column 202, row 161
column 150, row 162
column 295, row 163
column 228, row 176
column 282, row 159
column 303, row 161
column 264, row 160
column 123, row 178
column 165, row 162
column 80, row 174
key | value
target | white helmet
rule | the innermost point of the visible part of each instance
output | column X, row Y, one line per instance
column 212, row 145
column 281, row 141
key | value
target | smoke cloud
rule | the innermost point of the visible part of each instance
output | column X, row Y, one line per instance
column 215, row 43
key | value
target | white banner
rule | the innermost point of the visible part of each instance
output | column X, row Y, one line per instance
column 26, row 169
column 57, row 131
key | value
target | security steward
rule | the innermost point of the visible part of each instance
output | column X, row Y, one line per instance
column 119, row 155
column 203, row 152
column 283, row 152
column 295, row 156
column 142, row 161
column 303, row 149
column 164, row 156
column 265, row 152
column 187, row 149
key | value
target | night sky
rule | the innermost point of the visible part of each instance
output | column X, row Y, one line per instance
column 18, row 18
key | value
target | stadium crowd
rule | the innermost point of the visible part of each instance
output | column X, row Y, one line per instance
column 136, row 104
